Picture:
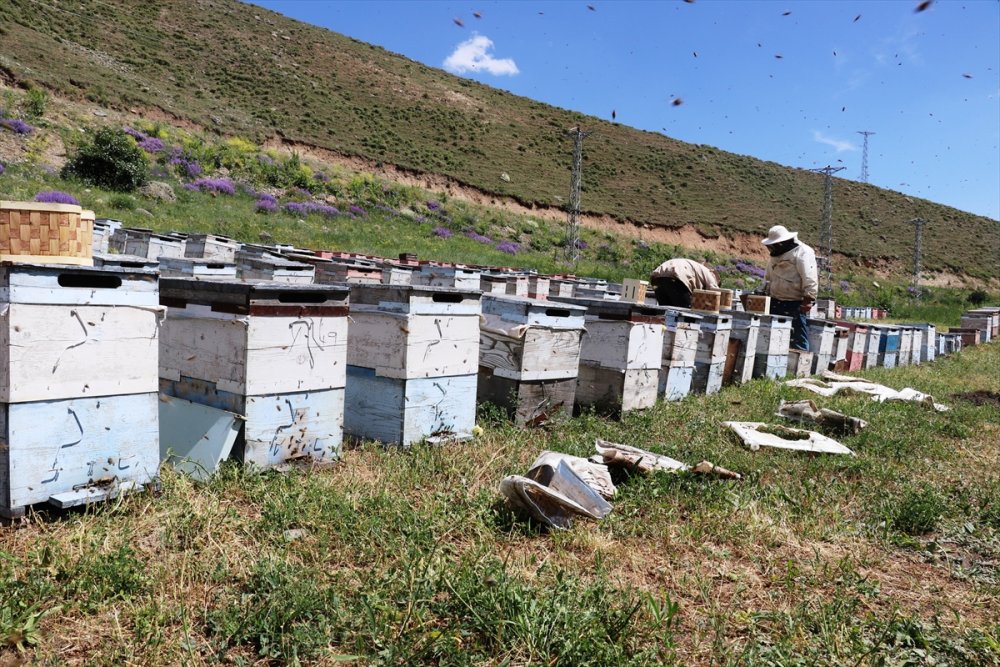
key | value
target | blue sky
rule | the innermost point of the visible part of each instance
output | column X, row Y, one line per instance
column 926, row 83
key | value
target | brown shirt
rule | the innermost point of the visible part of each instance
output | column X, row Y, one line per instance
column 691, row 273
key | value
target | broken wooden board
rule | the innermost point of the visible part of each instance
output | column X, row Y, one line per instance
column 640, row 460
column 758, row 434
column 808, row 411
column 194, row 438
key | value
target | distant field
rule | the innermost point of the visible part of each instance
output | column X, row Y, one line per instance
column 271, row 77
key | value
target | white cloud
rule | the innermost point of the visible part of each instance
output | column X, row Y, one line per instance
column 839, row 145
column 473, row 55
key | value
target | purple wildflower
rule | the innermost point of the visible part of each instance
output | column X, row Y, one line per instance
column 581, row 244
column 151, row 145
column 16, row 125
column 432, row 205
column 478, row 237
column 845, row 286
column 191, row 168
column 913, row 290
column 508, row 247
column 2, row 169
column 720, row 269
column 266, row 203
column 134, row 133
column 308, row 207
column 443, row 232
column 190, row 186
column 357, row 210
column 56, row 197
column 219, row 186
column 265, row 159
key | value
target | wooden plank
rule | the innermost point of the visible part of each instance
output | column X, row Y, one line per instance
column 197, row 268
column 412, row 346
column 404, row 411
column 77, row 286
column 51, row 447
column 517, row 310
column 527, row 403
column 56, row 352
column 540, row 354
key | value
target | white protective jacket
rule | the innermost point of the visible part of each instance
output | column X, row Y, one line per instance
column 793, row 275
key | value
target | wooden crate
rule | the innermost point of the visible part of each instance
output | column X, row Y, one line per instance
column 454, row 277
column 725, row 299
column 746, row 327
column 538, row 287
column 354, row 272
column 211, row 246
column 773, row 342
column 756, row 303
column 67, row 332
column 76, row 450
column 707, row 300
column 260, row 266
column 38, row 233
column 529, row 342
column 407, row 345
column 634, row 290
column 153, row 246
column 621, row 354
column 190, row 267
column 274, row 353
column 800, row 363
column 821, row 343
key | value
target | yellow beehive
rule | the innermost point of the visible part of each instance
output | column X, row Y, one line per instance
column 37, row 233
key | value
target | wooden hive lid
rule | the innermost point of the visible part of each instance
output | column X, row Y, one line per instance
column 611, row 309
column 416, row 299
column 262, row 297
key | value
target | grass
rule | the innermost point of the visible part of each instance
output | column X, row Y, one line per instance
column 291, row 83
column 409, row 557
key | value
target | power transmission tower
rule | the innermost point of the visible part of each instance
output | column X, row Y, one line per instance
column 576, row 182
column 918, row 248
column 864, row 155
column 825, row 262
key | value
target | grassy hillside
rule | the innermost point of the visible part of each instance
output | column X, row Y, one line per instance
column 239, row 69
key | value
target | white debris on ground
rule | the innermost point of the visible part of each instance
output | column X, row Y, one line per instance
column 758, row 434
column 807, row 411
column 833, row 384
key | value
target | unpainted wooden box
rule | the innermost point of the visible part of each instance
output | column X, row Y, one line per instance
column 561, row 287
column 614, row 391
column 395, row 274
column 493, row 284
column 153, row 246
column 746, row 327
column 76, row 450
column 528, row 402
column 454, row 277
column 538, row 287
column 211, row 246
column 193, row 267
column 69, row 332
column 904, row 356
column 634, row 290
column 821, row 343
column 800, row 363
column 756, row 303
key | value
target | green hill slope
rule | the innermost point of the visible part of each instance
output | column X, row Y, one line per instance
column 240, row 69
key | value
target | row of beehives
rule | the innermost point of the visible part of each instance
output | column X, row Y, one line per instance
column 93, row 357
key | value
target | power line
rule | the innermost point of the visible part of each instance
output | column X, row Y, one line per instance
column 825, row 261
column 864, row 155
column 576, row 183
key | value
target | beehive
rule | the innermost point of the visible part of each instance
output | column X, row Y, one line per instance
column 888, row 344
column 255, row 266
column 725, row 299
column 711, row 354
column 841, row 340
column 966, row 335
column 191, row 267
column 529, row 356
column 452, row 276
column 634, row 290
column 413, row 362
column 78, row 406
column 680, row 348
column 153, row 246
column 32, row 232
column 857, row 345
column 274, row 353
column 800, row 363
column 756, row 303
column 746, row 327
column 821, row 342
column 904, row 356
column 345, row 271
column 621, row 354
column 773, row 341
column 538, row 287
column 399, row 274
column 211, row 246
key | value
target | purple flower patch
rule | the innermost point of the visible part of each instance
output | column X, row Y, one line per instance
column 433, row 205
column 358, row 211
column 508, row 247
column 219, row 186
column 16, row 125
column 134, row 133
column 266, row 203
column 581, row 244
column 151, row 145
column 443, row 232
column 56, row 197
column 304, row 208
column 845, row 286
column 2, row 169
column 479, row 237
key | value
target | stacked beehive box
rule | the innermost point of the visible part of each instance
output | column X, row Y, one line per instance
column 394, row 273
column 800, row 363
column 917, row 343
column 360, row 272
column 773, row 341
column 529, row 356
column 493, row 283
column 211, row 246
column 680, row 348
column 872, row 344
column 132, row 262
column 562, row 287
column 841, row 341
column 104, row 228
column 968, row 336
column 272, row 352
column 981, row 319
column 78, row 402
column 413, row 362
column 453, row 276
column 746, row 327
column 517, row 284
column 621, row 354
column 821, row 342
column 538, row 287
column 857, row 344
column 888, row 344
column 263, row 266
column 153, row 246
column 191, row 267
column 710, row 358
column 904, row 356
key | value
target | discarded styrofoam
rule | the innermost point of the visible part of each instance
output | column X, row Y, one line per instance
column 596, row 475
column 196, row 438
column 635, row 459
column 754, row 436
column 833, row 383
column 808, row 411
column 554, row 494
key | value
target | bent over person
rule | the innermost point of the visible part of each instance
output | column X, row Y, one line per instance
column 791, row 280
column 675, row 280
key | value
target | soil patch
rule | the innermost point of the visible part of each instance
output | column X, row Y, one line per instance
column 980, row 397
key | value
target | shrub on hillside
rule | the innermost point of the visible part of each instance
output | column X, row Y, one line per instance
column 111, row 160
column 978, row 297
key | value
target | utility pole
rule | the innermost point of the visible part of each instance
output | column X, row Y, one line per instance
column 826, row 226
column 576, row 182
column 864, row 155
column 918, row 248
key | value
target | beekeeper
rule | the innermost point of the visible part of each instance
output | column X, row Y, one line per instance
column 791, row 279
column 674, row 281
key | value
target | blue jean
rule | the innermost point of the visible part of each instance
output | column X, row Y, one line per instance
column 800, row 329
